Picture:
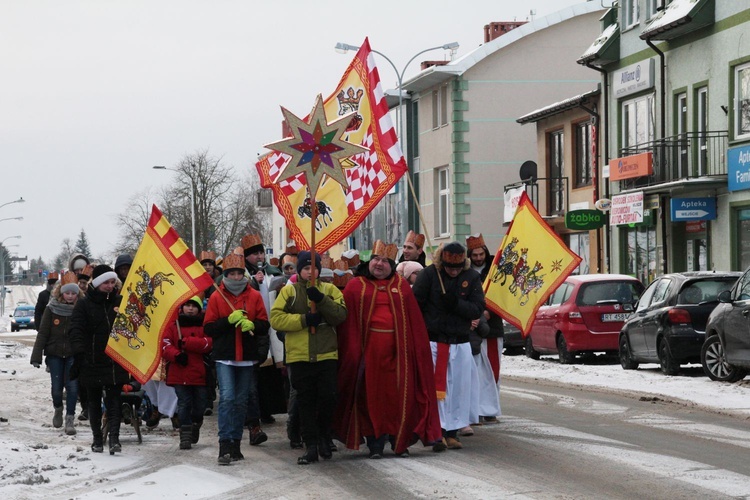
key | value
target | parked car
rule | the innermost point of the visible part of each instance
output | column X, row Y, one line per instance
column 23, row 317
column 513, row 340
column 725, row 354
column 669, row 323
column 584, row 315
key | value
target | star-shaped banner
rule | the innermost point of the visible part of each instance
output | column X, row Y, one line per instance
column 317, row 147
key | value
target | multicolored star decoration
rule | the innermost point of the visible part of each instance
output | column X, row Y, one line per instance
column 317, row 147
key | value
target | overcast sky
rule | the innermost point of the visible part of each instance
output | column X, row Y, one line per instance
column 93, row 93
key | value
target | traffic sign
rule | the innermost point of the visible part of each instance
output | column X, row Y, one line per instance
column 685, row 209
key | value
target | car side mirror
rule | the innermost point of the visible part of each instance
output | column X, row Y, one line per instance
column 725, row 296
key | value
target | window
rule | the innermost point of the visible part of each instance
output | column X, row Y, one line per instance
column 645, row 299
column 560, row 295
column 638, row 121
column 555, row 166
column 640, row 258
column 440, row 106
column 629, row 13
column 661, row 292
column 681, row 112
column 702, row 110
column 583, row 154
column 651, row 8
column 444, row 192
column 580, row 244
column 743, row 238
column 265, row 198
column 742, row 100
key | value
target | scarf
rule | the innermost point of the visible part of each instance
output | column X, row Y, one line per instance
column 60, row 308
column 236, row 287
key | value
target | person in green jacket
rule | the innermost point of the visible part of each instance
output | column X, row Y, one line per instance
column 311, row 348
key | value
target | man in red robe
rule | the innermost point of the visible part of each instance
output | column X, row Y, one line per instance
column 386, row 378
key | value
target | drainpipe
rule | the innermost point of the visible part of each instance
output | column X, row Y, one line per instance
column 604, row 74
column 662, row 129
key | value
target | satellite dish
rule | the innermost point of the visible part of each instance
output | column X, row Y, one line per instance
column 528, row 171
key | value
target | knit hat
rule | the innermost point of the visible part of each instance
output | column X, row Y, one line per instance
column 102, row 273
column 474, row 241
column 69, row 283
column 287, row 265
column 303, row 259
column 232, row 262
column 326, row 272
column 408, row 267
column 123, row 260
column 251, row 243
column 453, row 255
column 195, row 300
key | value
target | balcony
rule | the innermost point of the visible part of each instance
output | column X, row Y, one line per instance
column 548, row 194
column 686, row 156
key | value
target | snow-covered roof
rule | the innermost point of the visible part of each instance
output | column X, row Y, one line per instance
column 680, row 17
column 435, row 75
column 558, row 107
column 606, row 40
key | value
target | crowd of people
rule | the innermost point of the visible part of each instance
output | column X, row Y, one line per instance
column 380, row 353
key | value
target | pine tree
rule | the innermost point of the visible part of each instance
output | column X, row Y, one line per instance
column 82, row 245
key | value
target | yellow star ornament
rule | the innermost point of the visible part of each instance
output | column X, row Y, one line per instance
column 317, row 147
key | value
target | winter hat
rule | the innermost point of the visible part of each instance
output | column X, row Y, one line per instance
column 196, row 301
column 303, row 259
column 408, row 267
column 326, row 272
column 102, row 273
column 123, row 260
column 453, row 255
column 288, row 265
column 69, row 283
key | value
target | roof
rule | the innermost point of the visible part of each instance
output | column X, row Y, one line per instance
column 605, row 48
column 680, row 17
column 436, row 75
column 559, row 107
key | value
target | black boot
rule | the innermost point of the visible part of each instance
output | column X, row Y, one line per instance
column 235, row 450
column 114, row 435
column 195, row 432
column 98, row 445
column 310, row 456
column 153, row 419
column 225, row 452
column 324, row 448
column 186, row 436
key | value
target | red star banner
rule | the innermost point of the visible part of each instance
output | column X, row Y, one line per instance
column 369, row 175
column 164, row 275
column 529, row 266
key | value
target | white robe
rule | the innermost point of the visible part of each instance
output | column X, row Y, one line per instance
column 460, row 406
column 489, row 396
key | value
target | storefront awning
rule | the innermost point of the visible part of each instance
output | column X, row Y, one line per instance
column 678, row 18
column 681, row 186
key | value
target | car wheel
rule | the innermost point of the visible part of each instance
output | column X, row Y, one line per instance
column 566, row 357
column 529, row 348
column 12, row 328
column 666, row 362
column 626, row 357
column 715, row 363
column 513, row 351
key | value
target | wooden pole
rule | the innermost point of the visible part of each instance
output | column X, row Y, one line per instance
column 314, row 218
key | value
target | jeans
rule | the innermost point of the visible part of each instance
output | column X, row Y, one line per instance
column 235, row 386
column 59, row 370
column 191, row 403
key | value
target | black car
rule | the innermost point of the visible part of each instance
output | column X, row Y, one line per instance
column 669, row 323
column 725, row 355
column 513, row 341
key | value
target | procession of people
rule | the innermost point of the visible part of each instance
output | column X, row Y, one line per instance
column 383, row 353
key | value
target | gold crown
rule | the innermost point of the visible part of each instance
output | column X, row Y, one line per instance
column 88, row 270
column 250, row 240
column 208, row 255
column 351, row 261
column 291, row 248
column 274, row 261
column 474, row 241
column 69, row 277
column 326, row 261
column 388, row 251
column 417, row 239
column 238, row 251
column 234, row 261
column 53, row 276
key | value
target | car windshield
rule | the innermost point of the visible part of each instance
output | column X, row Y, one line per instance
column 704, row 290
column 23, row 313
column 610, row 292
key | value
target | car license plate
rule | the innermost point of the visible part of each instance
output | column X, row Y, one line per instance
column 607, row 318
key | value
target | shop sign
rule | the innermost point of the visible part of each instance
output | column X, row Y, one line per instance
column 633, row 79
column 631, row 166
column 585, row 219
column 738, row 168
column 684, row 209
column 626, row 209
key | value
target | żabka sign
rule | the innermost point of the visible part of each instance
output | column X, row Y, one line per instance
column 585, row 219
column 626, row 209
column 628, row 167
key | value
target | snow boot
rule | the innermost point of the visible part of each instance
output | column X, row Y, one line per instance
column 310, row 456
column 257, row 436
column 235, row 450
column 225, row 452
column 57, row 419
column 324, row 448
column 153, row 419
column 98, row 445
column 70, row 428
column 186, row 435
column 114, row 436
column 195, row 432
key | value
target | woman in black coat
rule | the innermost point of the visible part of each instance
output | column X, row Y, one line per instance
column 92, row 321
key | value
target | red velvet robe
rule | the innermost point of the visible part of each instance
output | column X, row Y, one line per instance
column 400, row 368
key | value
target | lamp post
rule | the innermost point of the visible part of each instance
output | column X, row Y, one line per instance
column 192, row 200
column 342, row 48
column 19, row 200
column 2, row 274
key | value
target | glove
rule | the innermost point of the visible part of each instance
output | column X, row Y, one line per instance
column 246, row 325
column 315, row 295
column 36, row 364
column 75, row 368
column 449, row 301
column 237, row 316
column 313, row 319
column 181, row 359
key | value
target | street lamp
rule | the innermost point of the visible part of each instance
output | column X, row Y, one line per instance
column 192, row 200
column 2, row 274
column 11, row 218
column 19, row 200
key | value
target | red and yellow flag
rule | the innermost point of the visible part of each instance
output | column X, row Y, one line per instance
column 164, row 275
column 531, row 263
column 370, row 175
